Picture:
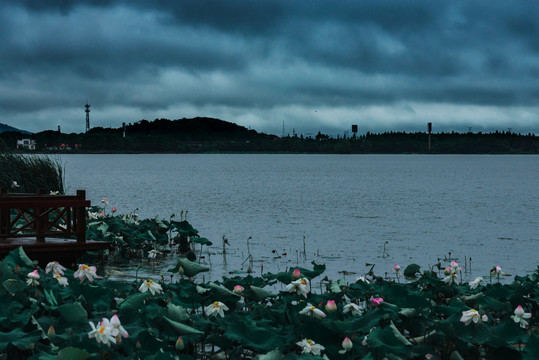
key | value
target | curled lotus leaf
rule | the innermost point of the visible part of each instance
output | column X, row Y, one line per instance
column 411, row 270
column 190, row 268
column 259, row 293
column 201, row 240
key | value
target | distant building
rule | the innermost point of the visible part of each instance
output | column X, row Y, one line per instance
column 26, row 144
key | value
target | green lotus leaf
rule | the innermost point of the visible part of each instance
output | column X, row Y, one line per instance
column 258, row 293
column 72, row 313
column 72, row 353
column 411, row 270
column 201, row 240
column 19, row 338
column 386, row 341
column 13, row 286
column 177, row 312
column 190, row 268
column 261, row 338
column 18, row 257
column 132, row 302
column 531, row 352
column 183, row 329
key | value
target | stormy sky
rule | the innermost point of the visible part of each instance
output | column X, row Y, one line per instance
column 310, row 65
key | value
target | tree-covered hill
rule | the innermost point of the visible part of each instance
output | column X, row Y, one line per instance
column 199, row 135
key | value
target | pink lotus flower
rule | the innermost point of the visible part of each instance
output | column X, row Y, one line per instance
column 377, row 301
column 296, row 274
column 238, row 289
column 113, row 209
column 331, row 306
column 396, row 268
column 454, row 265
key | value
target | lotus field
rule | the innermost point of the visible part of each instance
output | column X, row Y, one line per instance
column 80, row 313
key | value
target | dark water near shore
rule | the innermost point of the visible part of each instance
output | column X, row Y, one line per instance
column 346, row 206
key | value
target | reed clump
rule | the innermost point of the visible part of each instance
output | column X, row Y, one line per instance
column 25, row 173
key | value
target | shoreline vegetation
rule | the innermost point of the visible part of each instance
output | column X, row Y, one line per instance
column 81, row 313
column 209, row 135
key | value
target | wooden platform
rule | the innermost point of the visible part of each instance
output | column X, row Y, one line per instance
column 65, row 251
column 48, row 227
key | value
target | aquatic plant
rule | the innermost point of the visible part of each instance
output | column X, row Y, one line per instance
column 244, row 317
column 29, row 173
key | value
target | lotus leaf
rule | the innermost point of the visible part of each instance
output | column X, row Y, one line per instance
column 386, row 341
column 201, row 240
column 72, row 313
column 246, row 332
column 411, row 270
column 258, row 293
column 190, row 268
column 72, row 353
column 183, row 329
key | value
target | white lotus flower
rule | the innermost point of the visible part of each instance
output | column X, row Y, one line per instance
column 55, row 267
column 33, row 278
column 152, row 254
column 353, row 309
column 217, row 308
column 310, row 347
column 346, row 345
column 520, row 315
column 475, row 283
column 312, row 311
column 472, row 315
column 451, row 278
column 61, row 280
column 86, row 272
column 152, row 286
column 299, row 286
column 117, row 328
column 102, row 332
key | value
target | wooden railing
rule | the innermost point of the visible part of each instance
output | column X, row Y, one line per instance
column 42, row 215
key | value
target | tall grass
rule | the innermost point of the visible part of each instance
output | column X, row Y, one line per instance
column 31, row 173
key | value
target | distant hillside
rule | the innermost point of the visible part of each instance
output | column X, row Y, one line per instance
column 4, row 128
column 195, row 129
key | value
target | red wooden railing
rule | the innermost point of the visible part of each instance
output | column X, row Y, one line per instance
column 42, row 215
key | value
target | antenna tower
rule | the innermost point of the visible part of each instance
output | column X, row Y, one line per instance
column 87, row 111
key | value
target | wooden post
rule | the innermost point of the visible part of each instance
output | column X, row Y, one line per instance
column 80, row 218
column 41, row 220
column 4, row 217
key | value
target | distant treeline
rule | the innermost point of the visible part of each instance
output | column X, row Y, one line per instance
column 203, row 135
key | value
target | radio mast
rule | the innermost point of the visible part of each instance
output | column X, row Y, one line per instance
column 87, row 111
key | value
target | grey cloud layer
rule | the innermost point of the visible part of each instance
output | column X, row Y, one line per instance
column 257, row 57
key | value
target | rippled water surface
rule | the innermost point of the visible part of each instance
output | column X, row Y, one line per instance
column 346, row 206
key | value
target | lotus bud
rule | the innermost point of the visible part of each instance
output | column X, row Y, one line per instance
column 138, row 345
column 396, row 268
column 113, row 209
column 17, row 269
column 180, row 344
column 447, row 271
column 51, row 333
column 331, row 306
column 238, row 289
column 296, row 274
column 377, row 301
column 181, row 271
column 101, row 215
column 347, row 344
column 454, row 264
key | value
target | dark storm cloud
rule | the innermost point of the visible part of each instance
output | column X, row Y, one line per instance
column 264, row 62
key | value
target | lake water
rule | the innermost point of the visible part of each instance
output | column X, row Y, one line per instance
column 347, row 207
